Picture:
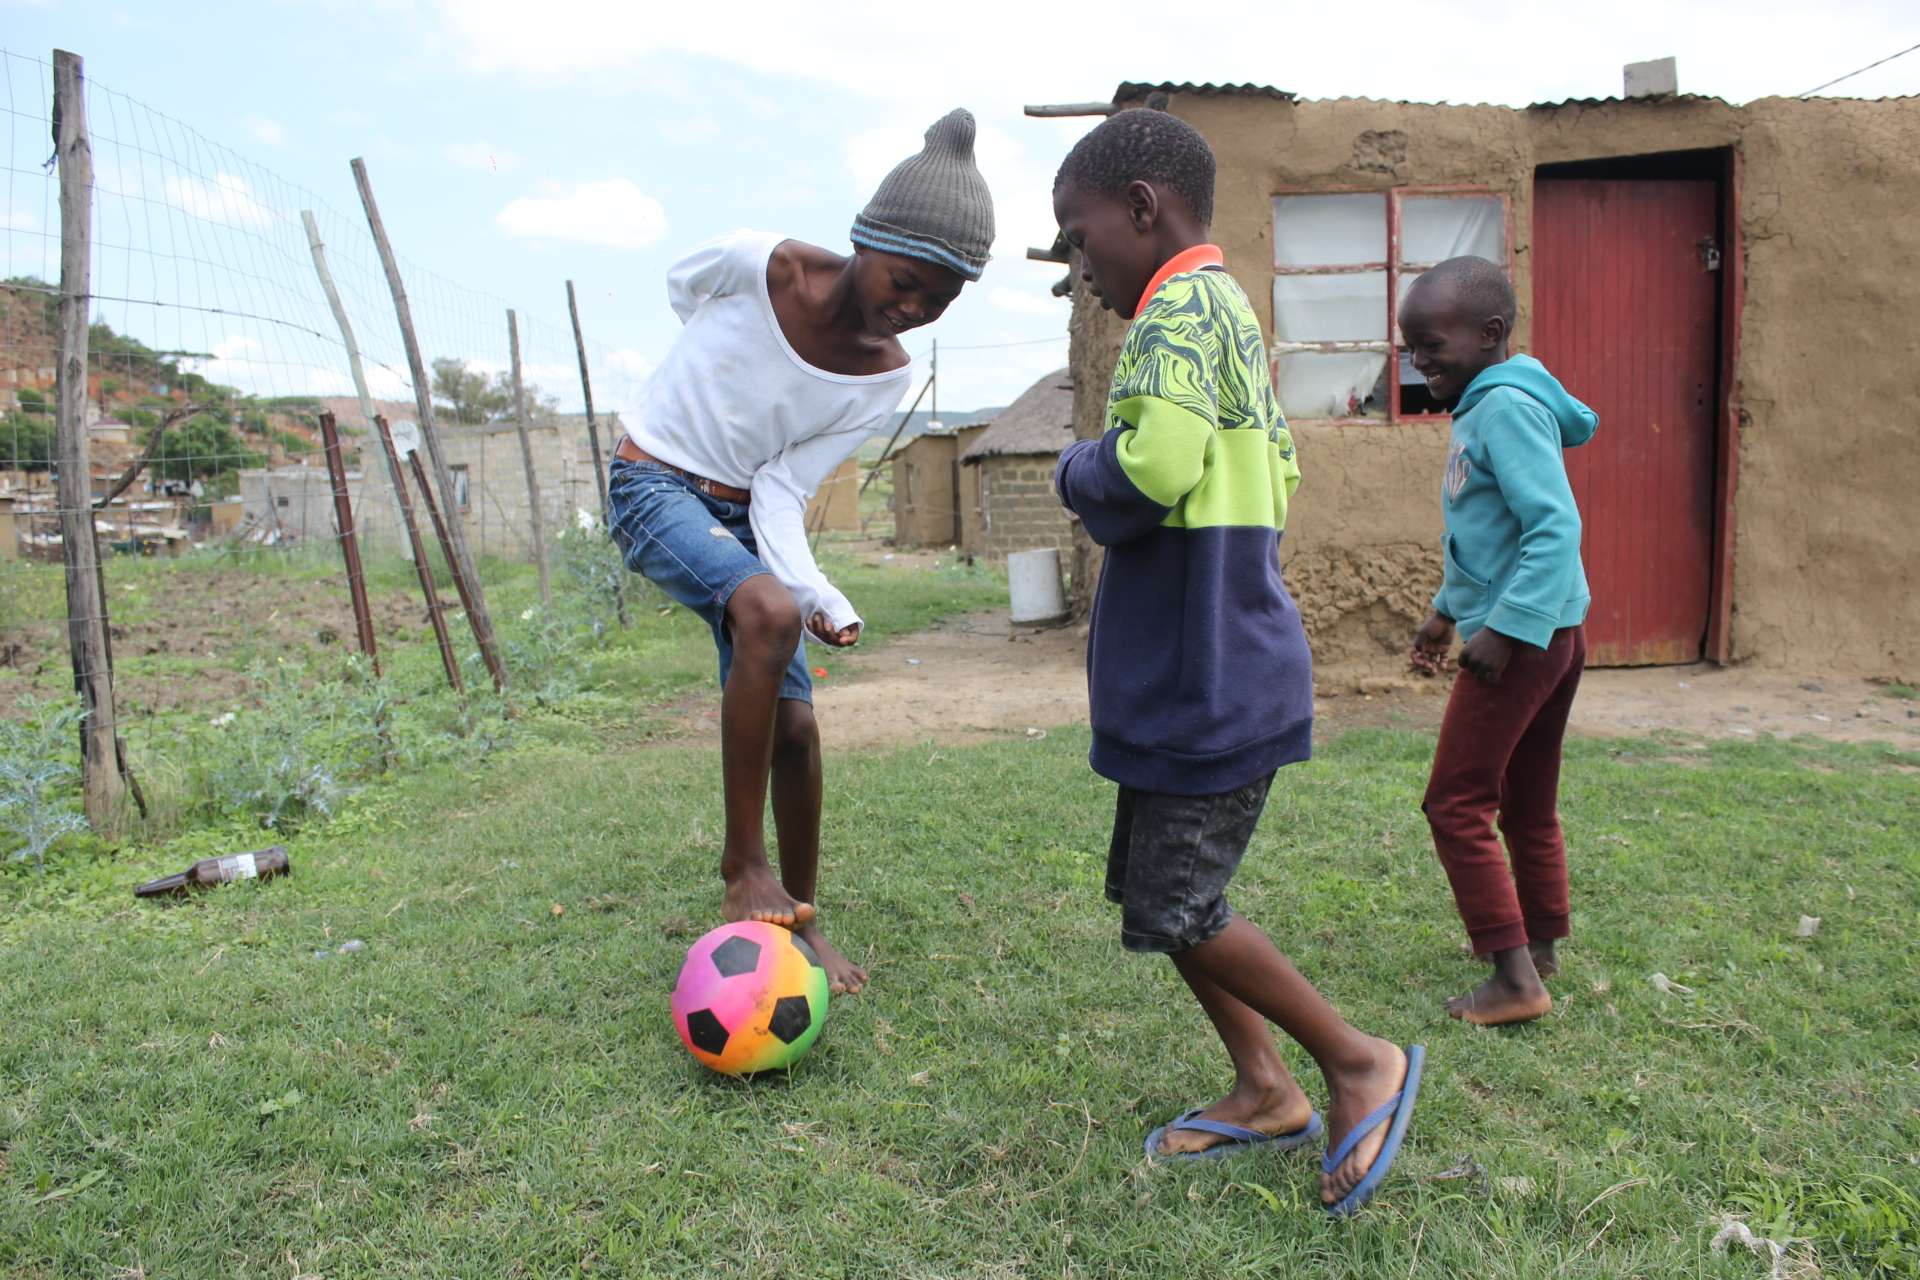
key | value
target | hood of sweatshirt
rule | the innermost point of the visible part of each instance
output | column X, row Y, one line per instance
column 1524, row 373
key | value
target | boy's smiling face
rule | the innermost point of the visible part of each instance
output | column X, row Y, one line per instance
column 1119, row 251
column 898, row 293
column 1449, row 342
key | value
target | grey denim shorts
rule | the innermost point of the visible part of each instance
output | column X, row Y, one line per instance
column 1170, row 861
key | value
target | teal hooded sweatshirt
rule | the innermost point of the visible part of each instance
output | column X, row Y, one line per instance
column 1512, row 544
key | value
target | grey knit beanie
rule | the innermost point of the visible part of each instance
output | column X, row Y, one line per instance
column 935, row 205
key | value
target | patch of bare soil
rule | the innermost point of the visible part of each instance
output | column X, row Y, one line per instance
column 976, row 678
column 190, row 648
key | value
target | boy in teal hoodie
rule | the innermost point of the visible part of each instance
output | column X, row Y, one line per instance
column 1516, row 592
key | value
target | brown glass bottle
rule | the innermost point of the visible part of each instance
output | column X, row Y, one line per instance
column 258, row 865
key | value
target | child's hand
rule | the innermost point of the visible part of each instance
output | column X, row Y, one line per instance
column 1487, row 655
column 844, row 638
column 1433, row 637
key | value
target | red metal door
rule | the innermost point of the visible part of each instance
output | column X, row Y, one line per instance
column 1625, row 314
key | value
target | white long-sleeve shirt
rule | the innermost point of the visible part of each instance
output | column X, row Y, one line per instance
column 734, row 402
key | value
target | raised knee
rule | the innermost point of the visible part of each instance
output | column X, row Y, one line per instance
column 765, row 623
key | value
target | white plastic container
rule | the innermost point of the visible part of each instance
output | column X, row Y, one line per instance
column 1033, row 580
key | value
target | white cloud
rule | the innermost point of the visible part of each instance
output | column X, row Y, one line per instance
column 266, row 130
column 620, row 379
column 244, row 362
column 225, row 199
column 1452, row 50
column 612, row 212
column 482, row 157
column 690, row 131
column 1034, row 301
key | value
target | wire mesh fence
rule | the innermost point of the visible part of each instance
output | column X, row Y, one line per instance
column 214, row 365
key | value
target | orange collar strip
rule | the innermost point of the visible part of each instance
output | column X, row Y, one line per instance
column 1201, row 255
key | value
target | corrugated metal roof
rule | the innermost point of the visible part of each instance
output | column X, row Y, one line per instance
column 1655, row 99
column 1040, row 421
column 1131, row 89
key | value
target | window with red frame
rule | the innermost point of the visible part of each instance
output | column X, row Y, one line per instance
column 1342, row 263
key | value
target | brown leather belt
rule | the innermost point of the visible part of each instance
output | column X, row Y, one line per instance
column 712, row 488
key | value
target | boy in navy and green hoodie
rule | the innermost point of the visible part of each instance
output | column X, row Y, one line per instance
column 1200, row 681
column 1515, row 590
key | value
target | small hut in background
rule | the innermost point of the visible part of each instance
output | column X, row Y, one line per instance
column 1010, row 468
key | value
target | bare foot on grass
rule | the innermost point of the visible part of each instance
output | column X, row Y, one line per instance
column 754, row 894
column 1270, row 1111
column 1546, row 959
column 1354, row 1097
column 844, row 978
column 1500, row 1001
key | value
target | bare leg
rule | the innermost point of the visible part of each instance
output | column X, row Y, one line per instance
column 765, row 627
column 796, row 821
column 1264, row 1096
column 1513, row 994
column 1361, row 1071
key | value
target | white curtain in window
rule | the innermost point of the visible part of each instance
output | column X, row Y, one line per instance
column 1435, row 228
column 1314, row 384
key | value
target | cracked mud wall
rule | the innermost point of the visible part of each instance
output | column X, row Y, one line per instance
column 1824, row 526
column 1825, row 513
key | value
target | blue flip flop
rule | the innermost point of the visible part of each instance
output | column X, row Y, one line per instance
column 1400, row 1109
column 1239, row 1141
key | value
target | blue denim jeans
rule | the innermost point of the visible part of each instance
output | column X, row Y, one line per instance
column 697, row 548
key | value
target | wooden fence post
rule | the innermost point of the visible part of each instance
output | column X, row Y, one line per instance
column 319, row 251
column 453, row 564
column 102, row 787
column 435, row 612
column 459, row 558
column 535, row 516
column 599, row 463
column 349, row 546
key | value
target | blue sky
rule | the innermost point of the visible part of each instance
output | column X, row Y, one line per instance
column 515, row 145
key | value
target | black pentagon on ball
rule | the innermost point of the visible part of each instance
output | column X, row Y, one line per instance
column 791, row 1018
column 705, row 1031
column 736, row 956
column 807, row 952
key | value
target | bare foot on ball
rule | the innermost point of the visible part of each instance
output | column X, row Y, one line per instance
column 753, row 894
column 1546, row 959
column 1499, row 1001
column 844, row 978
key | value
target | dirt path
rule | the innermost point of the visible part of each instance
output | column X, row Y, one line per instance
column 975, row 678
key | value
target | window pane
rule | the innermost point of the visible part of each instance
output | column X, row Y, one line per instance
column 1330, row 308
column 1344, row 385
column 1435, row 228
column 1329, row 230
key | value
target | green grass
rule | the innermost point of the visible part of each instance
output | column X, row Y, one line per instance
column 492, row 1088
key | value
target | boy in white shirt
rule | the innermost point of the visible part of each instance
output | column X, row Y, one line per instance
column 789, row 361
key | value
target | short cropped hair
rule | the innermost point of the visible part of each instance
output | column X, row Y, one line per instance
column 1143, row 145
column 1479, row 285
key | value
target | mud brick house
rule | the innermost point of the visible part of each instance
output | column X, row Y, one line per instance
column 1012, row 464
column 1729, row 286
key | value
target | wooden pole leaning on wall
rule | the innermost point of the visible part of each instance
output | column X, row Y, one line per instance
column 535, row 516
column 436, row 612
column 349, row 545
column 599, row 463
column 454, row 535
column 101, row 782
column 487, row 656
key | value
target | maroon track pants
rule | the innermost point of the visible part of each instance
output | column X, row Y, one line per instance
column 1499, row 752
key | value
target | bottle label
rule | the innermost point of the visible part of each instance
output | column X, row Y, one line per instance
column 239, row 866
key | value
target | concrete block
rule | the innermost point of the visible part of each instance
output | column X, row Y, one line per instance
column 1652, row 79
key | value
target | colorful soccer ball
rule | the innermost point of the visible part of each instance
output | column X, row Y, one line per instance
column 751, row 997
